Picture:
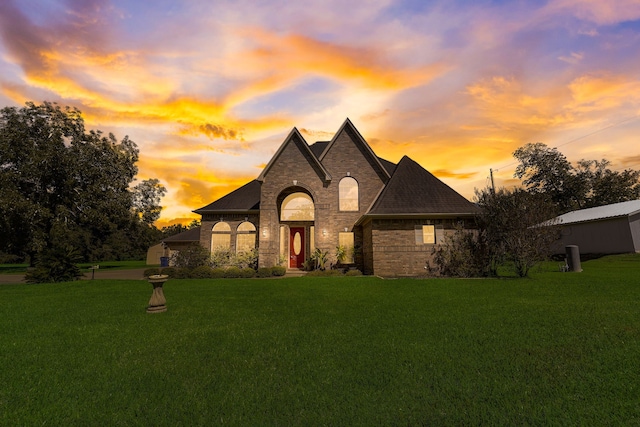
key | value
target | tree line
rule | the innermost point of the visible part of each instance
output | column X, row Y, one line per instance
column 66, row 191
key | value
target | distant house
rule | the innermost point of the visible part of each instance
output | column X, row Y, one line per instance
column 388, row 217
column 610, row 229
column 172, row 244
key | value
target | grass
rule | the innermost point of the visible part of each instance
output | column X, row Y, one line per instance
column 556, row 349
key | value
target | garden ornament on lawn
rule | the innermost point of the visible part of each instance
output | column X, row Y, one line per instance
column 157, row 303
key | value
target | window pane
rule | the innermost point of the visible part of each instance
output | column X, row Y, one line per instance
column 222, row 227
column 346, row 241
column 246, row 226
column 220, row 241
column 428, row 234
column 245, row 242
column 220, row 236
column 297, row 207
column 348, row 194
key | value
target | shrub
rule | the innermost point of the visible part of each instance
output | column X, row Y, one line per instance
column 151, row 272
column 202, row 272
column 264, row 272
column 55, row 265
column 462, row 254
column 169, row 271
column 248, row 272
column 195, row 255
column 232, row 273
column 354, row 272
column 246, row 259
column 182, row 273
column 221, row 258
column 217, row 273
column 278, row 270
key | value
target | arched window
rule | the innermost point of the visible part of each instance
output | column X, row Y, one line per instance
column 220, row 236
column 245, row 237
column 297, row 207
column 348, row 194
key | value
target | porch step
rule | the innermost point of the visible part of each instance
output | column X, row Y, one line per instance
column 294, row 272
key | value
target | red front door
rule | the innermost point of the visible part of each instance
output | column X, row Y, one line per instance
column 296, row 247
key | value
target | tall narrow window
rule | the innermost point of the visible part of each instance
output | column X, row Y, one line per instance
column 425, row 234
column 297, row 207
column 348, row 194
column 220, row 236
column 245, row 237
column 346, row 242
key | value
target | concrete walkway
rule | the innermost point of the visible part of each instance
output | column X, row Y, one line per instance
column 134, row 274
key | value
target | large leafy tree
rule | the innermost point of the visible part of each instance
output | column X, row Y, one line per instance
column 62, row 183
column 589, row 183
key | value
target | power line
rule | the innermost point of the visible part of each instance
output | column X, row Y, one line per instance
column 580, row 137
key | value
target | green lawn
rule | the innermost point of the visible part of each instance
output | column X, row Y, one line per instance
column 556, row 349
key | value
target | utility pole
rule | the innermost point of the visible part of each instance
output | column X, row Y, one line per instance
column 493, row 186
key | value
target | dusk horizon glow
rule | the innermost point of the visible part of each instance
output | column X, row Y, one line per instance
column 209, row 90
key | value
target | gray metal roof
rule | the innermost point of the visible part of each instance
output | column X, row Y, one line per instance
column 601, row 212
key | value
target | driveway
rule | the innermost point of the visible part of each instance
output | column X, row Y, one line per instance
column 135, row 274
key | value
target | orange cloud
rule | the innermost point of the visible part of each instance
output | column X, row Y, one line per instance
column 593, row 93
column 307, row 56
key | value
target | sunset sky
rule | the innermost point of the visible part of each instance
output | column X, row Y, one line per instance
column 210, row 89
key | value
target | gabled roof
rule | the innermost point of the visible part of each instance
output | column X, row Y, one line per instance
column 318, row 147
column 347, row 126
column 296, row 138
column 412, row 190
column 601, row 212
column 191, row 235
column 245, row 198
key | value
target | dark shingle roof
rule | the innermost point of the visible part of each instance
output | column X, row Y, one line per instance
column 245, row 198
column 318, row 147
column 414, row 190
column 191, row 235
column 389, row 166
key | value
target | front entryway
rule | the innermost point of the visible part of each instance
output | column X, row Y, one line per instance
column 296, row 247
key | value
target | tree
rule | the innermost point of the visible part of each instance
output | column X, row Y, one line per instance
column 62, row 183
column 546, row 170
column 146, row 200
column 509, row 231
column 588, row 184
column 511, row 224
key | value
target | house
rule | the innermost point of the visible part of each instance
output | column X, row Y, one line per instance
column 172, row 244
column 610, row 229
column 388, row 217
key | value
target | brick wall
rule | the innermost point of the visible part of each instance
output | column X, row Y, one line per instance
column 395, row 252
column 345, row 158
